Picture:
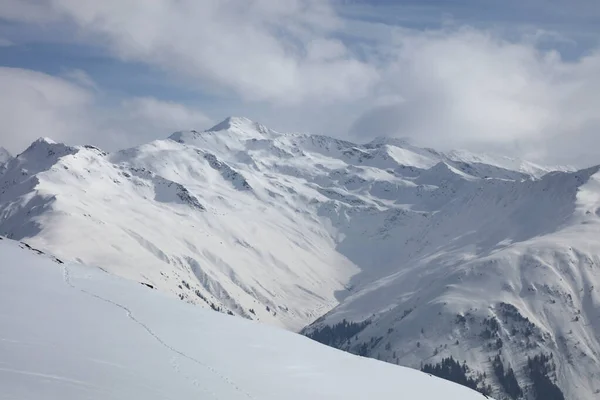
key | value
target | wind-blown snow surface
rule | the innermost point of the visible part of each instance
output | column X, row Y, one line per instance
column 75, row 332
column 282, row 228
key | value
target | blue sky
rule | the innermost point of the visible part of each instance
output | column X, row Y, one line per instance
column 516, row 77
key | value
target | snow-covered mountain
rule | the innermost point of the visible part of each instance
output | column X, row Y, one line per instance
column 402, row 253
column 73, row 332
column 502, row 272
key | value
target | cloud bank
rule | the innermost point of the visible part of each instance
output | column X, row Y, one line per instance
column 465, row 87
column 302, row 65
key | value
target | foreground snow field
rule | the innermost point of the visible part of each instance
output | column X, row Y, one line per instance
column 70, row 331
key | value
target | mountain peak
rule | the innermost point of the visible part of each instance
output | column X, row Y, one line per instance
column 45, row 147
column 45, row 140
column 232, row 122
column 40, row 142
column 386, row 140
column 229, row 134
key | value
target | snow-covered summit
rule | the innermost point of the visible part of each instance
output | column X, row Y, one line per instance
column 225, row 137
column 385, row 140
column 236, row 123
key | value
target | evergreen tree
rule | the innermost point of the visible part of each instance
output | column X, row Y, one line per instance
column 507, row 379
column 338, row 334
column 539, row 368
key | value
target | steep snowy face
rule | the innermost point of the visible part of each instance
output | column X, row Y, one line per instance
column 22, row 200
column 70, row 331
column 504, row 276
column 393, row 243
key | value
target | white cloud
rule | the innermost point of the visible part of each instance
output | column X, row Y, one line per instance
column 284, row 62
column 81, row 78
column 142, row 119
column 468, row 88
column 261, row 50
column 5, row 42
column 164, row 114
column 325, row 49
column 34, row 104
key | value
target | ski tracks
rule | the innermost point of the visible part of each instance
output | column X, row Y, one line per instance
column 174, row 364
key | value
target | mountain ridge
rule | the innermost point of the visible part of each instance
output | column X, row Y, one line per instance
column 292, row 228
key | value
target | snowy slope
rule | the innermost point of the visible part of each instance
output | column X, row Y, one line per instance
column 181, row 219
column 508, row 269
column 73, row 332
column 285, row 228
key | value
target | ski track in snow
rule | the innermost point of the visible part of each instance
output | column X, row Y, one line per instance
column 174, row 365
column 49, row 376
